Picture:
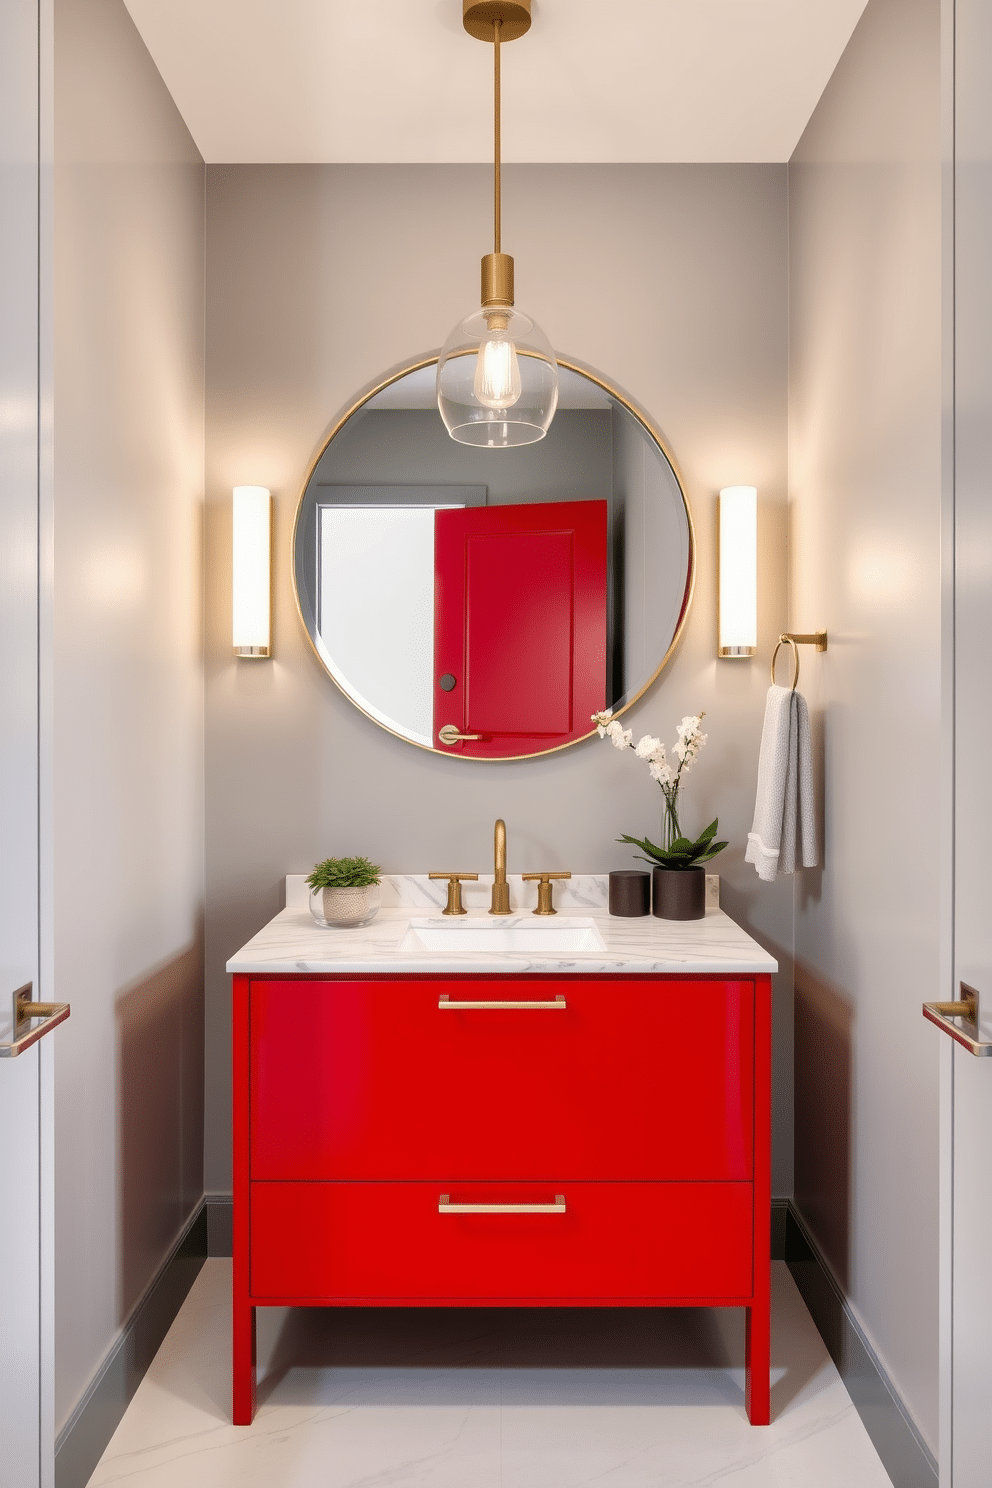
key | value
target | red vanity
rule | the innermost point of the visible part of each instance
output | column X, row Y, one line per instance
column 592, row 1137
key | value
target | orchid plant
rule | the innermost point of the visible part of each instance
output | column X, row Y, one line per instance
column 677, row 851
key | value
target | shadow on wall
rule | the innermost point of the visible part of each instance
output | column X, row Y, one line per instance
column 160, row 1141
column 823, row 1023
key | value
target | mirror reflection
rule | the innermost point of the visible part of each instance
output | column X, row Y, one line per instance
column 485, row 602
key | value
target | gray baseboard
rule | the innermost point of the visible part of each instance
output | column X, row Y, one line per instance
column 220, row 1225
column 83, row 1439
column 905, row 1455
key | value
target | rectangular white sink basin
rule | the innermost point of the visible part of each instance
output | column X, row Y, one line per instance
column 526, row 934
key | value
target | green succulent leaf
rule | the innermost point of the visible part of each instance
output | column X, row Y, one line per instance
column 344, row 873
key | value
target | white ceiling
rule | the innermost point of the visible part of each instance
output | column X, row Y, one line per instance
column 400, row 80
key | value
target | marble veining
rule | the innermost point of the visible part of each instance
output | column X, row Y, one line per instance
column 293, row 942
column 500, row 1398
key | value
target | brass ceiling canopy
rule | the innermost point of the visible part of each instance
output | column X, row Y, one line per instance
column 479, row 17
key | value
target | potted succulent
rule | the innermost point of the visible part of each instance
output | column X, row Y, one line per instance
column 344, row 891
column 678, row 875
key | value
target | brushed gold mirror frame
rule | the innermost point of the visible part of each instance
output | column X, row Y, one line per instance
column 653, row 433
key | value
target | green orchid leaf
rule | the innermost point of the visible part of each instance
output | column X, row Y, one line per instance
column 643, row 843
column 710, row 831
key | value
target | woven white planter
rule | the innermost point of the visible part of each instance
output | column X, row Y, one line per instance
column 342, row 908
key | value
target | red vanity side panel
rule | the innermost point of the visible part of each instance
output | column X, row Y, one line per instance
column 370, row 1080
column 387, row 1242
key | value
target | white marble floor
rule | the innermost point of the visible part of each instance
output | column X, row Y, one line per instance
column 489, row 1399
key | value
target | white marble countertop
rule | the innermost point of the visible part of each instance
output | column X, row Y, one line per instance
column 293, row 942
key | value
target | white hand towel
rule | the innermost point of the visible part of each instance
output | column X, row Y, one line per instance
column 784, row 815
column 765, row 838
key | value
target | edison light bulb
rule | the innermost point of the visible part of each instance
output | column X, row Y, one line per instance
column 497, row 371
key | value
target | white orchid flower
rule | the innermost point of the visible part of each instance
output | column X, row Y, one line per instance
column 618, row 735
column 650, row 749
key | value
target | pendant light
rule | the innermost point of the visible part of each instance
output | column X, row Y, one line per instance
column 497, row 378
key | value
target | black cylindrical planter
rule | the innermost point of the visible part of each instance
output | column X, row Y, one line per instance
column 679, row 893
column 630, row 892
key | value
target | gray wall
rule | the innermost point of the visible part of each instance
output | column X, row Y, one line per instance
column 574, row 462
column 653, row 539
column 128, row 696
column 668, row 279
column 865, row 473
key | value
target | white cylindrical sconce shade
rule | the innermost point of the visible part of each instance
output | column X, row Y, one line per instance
column 252, row 528
column 738, row 601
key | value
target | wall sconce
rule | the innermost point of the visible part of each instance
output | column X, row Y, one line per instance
column 252, row 528
column 737, row 627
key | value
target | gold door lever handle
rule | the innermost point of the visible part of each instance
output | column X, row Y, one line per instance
column 445, row 1004
column 941, row 1015
column 49, row 1014
column 445, row 1206
column 449, row 735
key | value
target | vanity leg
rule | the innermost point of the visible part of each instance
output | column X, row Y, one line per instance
column 243, row 1313
column 757, row 1344
column 757, row 1365
column 243, row 1372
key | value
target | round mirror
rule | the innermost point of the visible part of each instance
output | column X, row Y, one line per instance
column 487, row 602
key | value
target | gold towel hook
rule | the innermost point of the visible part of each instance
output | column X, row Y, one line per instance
column 817, row 638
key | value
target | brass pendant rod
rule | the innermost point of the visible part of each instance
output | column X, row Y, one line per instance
column 497, row 27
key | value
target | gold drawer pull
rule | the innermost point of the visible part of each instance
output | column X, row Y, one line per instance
column 445, row 1206
column 444, row 1002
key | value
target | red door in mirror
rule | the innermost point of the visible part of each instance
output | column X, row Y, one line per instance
column 519, row 626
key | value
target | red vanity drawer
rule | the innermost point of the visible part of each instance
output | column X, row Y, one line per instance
column 631, row 1081
column 387, row 1242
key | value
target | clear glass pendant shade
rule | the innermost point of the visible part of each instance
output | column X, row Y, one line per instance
column 497, row 380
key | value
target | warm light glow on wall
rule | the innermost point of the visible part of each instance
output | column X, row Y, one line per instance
column 738, row 623
column 252, row 582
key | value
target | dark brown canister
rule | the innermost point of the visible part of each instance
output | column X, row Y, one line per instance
column 630, row 892
column 679, row 893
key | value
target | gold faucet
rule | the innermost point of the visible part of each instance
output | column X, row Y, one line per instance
column 501, row 889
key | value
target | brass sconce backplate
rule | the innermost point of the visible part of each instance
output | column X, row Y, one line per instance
column 479, row 17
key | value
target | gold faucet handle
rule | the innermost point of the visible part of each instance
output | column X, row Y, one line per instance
column 454, row 904
column 545, row 903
